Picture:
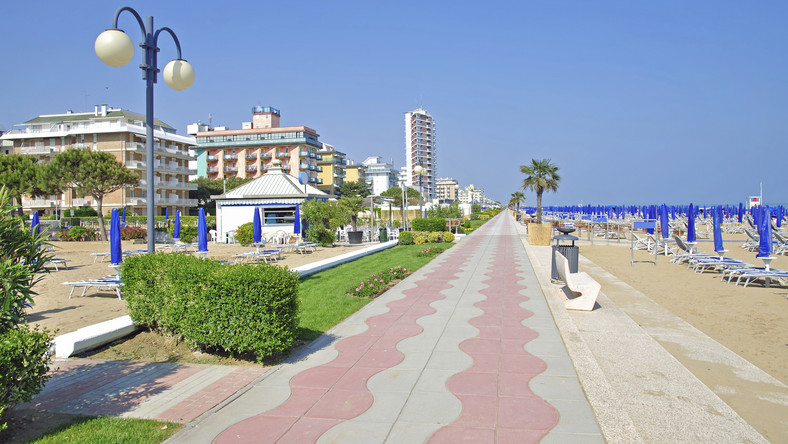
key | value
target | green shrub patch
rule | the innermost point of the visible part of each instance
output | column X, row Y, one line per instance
column 377, row 283
column 241, row 309
column 429, row 224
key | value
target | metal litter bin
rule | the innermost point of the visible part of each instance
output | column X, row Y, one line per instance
column 565, row 244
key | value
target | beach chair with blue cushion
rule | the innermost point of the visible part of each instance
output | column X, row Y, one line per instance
column 112, row 282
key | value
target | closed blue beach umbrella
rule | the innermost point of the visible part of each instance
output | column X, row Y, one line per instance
column 35, row 225
column 167, row 213
column 664, row 225
column 202, row 232
column 115, row 250
column 765, row 242
column 779, row 212
column 257, row 228
column 124, row 216
column 717, row 218
column 741, row 212
column 176, row 230
column 297, row 221
column 691, row 224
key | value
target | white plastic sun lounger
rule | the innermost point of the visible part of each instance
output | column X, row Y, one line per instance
column 111, row 282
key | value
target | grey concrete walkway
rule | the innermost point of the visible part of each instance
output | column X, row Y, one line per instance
column 639, row 391
column 465, row 349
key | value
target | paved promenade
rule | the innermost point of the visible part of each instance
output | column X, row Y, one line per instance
column 464, row 350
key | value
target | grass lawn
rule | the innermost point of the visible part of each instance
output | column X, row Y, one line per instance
column 324, row 299
column 89, row 430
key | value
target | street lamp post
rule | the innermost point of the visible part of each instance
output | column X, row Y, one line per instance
column 115, row 48
column 403, row 205
column 420, row 171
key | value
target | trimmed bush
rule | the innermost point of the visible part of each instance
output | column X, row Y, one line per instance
column 429, row 224
column 24, row 365
column 188, row 232
column 129, row 233
column 321, row 235
column 236, row 308
column 405, row 238
column 419, row 238
column 80, row 234
column 434, row 237
column 245, row 234
column 448, row 237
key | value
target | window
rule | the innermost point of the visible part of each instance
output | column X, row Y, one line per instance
column 278, row 215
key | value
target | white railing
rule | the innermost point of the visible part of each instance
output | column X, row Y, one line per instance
column 36, row 150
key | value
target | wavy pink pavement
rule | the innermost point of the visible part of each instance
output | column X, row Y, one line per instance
column 497, row 403
column 323, row 396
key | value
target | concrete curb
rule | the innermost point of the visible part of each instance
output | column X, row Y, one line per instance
column 92, row 336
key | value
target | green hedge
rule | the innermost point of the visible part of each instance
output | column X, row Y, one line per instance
column 424, row 237
column 245, row 234
column 429, row 224
column 24, row 365
column 237, row 308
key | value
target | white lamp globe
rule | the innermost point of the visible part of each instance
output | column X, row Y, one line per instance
column 178, row 74
column 417, row 169
column 114, row 47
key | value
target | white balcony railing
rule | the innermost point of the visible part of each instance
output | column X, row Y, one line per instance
column 37, row 150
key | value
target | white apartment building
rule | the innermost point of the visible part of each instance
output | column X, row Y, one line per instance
column 420, row 149
column 446, row 190
column 471, row 194
column 380, row 175
column 118, row 132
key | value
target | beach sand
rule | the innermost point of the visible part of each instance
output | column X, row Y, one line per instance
column 752, row 321
column 54, row 310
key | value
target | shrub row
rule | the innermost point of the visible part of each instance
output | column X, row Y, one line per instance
column 423, row 237
column 236, row 308
column 429, row 224
column 188, row 232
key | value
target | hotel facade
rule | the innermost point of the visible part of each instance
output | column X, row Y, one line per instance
column 118, row 132
column 420, row 149
column 250, row 151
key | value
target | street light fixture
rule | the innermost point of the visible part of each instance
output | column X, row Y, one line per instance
column 115, row 48
column 421, row 172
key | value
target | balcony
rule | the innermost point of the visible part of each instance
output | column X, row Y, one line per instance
column 230, row 169
column 212, row 170
column 312, row 168
column 136, row 201
column 303, row 153
column 81, row 145
column 283, row 155
column 265, row 156
column 251, row 157
column 303, row 166
column 37, row 150
column 212, row 157
column 135, row 165
column 230, row 157
column 38, row 203
column 251, row 169
column 135, row 146
column 318, row 157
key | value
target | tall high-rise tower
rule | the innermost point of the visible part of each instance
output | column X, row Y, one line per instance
column 420, row 149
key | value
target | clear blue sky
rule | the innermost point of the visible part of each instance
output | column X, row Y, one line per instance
column 636, row 102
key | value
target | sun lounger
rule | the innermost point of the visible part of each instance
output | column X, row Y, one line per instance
column 112, row 282
column 55, row 261
column 583, row 286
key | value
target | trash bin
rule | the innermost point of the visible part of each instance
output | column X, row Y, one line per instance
column 384, row 235
column 565, row 244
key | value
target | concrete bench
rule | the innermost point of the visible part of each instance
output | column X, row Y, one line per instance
column 584, row 288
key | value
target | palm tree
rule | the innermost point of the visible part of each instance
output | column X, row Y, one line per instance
column 541, row 176
column 516, row 200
